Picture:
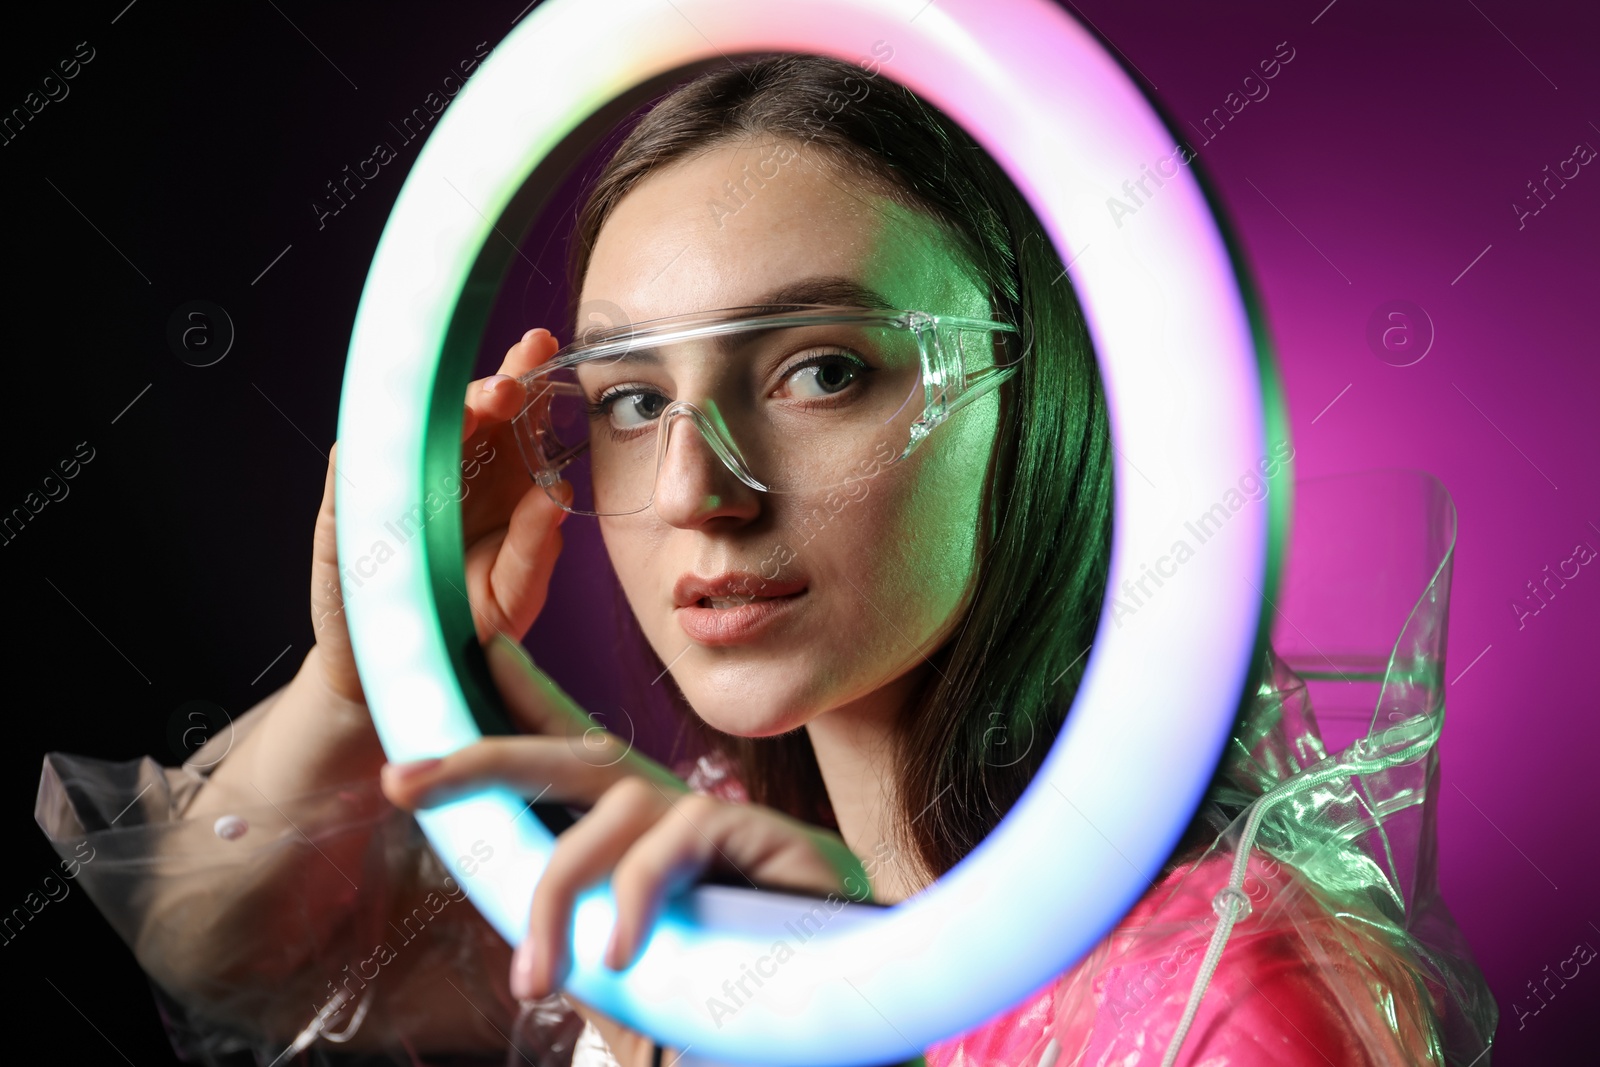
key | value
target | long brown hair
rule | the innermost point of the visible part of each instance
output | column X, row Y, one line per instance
column 971, row 739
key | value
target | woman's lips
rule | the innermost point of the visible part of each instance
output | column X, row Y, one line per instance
column 745, row 620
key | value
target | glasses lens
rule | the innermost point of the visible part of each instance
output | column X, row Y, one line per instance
column 793, row 409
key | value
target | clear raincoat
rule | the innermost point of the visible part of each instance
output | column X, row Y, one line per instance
column 1309, row 929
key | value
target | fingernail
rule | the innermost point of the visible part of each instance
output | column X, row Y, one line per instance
column 492, row 381
column 614, row 957
column 522, row 970
column 405, row 772
column 530, row 333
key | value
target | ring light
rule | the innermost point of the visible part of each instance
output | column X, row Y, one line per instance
column 1193, row 401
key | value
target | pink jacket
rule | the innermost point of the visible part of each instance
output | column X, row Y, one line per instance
column 1296, row 985
column 1293, row 987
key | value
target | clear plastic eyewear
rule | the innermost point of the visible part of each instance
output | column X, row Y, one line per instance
column 791, row 398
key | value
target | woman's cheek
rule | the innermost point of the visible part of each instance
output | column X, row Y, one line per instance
column 938, row 521
column 912, row 554
column 638, row 563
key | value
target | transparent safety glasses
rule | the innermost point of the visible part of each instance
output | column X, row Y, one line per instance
column 790, row 398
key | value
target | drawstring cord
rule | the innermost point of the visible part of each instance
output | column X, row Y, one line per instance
column 1232, row 903
column 318, row 1026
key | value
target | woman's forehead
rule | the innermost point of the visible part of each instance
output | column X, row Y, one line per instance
column 734, row 224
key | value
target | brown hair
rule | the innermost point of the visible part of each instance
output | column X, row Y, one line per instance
column 971, row 739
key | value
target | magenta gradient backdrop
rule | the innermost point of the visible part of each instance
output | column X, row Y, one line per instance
column 1382, row 163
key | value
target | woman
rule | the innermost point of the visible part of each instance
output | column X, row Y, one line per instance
column 882, row 693
column 880, row 654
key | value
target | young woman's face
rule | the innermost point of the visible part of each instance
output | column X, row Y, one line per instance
column 884, row 572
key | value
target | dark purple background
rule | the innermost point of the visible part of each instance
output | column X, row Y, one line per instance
column 1382, row 166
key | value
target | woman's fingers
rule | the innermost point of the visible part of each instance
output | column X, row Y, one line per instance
column 549, row 768
column 668, row 857
column 501, row 485
column 652, row 841
column 508, row 570
column 497, row 398
column 508, row 523
column 327, row 598
column 496, row 475
column 535, row 347
column 762, row 846
column 582, row 856
column 490, row 401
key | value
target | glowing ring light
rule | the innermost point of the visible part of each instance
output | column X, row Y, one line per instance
column 1192, row 399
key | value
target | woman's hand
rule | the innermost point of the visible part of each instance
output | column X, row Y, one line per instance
column 509, row 524
column 645, row 830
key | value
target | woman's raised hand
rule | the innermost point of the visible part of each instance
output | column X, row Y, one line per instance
column 509, row 524
column 645, row 829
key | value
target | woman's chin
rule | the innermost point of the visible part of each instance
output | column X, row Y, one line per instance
column 746, row 716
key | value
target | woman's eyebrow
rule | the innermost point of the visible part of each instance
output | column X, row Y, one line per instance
column 831, row 289
column 835, row 289
column 645, row 354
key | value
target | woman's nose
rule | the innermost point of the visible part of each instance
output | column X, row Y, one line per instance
column 693, row 485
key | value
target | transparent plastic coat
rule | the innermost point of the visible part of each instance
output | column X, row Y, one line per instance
column 1301, row 925
column 1310, row 929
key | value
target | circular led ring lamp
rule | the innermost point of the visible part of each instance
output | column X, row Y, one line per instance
column 753, row 977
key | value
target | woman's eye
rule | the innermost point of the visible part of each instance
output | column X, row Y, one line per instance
column 823, row 376
column 630, row 411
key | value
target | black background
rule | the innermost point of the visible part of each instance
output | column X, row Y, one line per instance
column 194, row 141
